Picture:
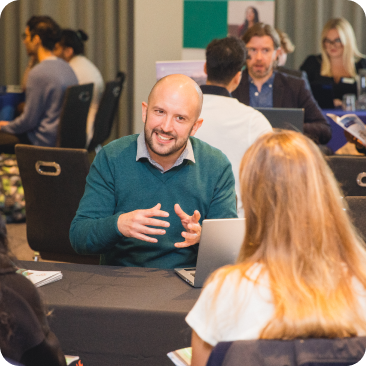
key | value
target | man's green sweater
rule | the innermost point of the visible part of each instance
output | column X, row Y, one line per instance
column 117, row 184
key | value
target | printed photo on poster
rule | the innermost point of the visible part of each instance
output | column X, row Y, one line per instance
column 244, row 14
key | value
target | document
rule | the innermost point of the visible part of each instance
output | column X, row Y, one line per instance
column 352, row 124
column 181, row 357
column 40, row 278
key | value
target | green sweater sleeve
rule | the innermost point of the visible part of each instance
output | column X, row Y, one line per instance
column 94, row 228
column 223, row 203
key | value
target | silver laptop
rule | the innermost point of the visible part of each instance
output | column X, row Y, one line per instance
column 285, row 118
column 221, row 240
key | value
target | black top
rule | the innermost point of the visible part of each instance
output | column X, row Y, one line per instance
column 324, row 88
column 31, row 342
column 291, row 92
column 215, row 90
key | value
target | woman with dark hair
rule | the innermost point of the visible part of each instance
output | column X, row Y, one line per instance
column 25, row 336
column 251, row 17
column 71, row 49
column 301, row 269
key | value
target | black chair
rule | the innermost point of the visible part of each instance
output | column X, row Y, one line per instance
column 357, row 208
column 299, row 352
column 350, row 172
column 54, row 182
column 106, row 111
column 72, row 126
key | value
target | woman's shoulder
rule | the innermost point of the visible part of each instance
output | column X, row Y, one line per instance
column 361, row 64
column 311, row 62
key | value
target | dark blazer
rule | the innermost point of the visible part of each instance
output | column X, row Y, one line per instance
column 291, row 92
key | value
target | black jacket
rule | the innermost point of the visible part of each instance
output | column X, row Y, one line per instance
column 291, row 92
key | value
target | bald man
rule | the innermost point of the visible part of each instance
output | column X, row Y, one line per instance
column 146, row 195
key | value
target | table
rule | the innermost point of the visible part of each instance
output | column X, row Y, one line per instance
column 338, row 139
column 118, row 315
column 8, row 104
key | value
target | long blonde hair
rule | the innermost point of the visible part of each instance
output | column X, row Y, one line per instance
column 297, row 229
column 351, row 54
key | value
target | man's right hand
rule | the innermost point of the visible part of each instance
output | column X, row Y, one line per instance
column 135, row 224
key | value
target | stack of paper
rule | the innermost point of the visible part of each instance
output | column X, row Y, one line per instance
column 181, row 357
column 71, row 360
column 40, row 278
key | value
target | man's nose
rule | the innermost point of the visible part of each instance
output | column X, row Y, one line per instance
column 167, row 124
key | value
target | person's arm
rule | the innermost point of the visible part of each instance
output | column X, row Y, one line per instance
column 96, row 227
column 36, row 98
column 316, row 126
column 200, row 351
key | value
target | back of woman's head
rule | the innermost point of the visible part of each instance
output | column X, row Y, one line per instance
column 74, row 39
column 297, row 228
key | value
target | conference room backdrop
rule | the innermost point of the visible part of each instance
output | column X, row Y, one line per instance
column 131, row 35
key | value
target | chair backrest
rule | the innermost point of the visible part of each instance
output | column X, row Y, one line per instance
column 350, row 172
column 54, row 182
column 299, row 352
column 72, row 126
column 357, row 207
column 106, row 111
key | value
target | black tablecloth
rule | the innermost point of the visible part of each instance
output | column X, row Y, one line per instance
column 118, row 315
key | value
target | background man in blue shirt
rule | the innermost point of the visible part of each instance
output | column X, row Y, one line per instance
column 261, row 86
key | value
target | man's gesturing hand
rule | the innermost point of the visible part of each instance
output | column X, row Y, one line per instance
column 135, row 224
column 191, row 224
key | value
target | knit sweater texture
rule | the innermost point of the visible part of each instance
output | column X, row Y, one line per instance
column 117, row 184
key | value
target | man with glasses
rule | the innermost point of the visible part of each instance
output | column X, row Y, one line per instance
column 45, row 89
column 262, row 86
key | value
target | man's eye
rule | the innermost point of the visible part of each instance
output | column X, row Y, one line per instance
column 180, row 118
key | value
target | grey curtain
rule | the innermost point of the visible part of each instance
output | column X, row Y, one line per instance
column 108, row 24
column 303, row 20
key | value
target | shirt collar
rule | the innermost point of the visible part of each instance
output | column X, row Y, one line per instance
column 268, row 82
column 215, row 90
column 143, row 152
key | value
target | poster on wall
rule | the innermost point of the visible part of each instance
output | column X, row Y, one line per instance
column 205, row 20
column 243, row 14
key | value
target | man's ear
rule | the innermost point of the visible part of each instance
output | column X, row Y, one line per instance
column 238, row 77
column 144, row 111
column 196, row 126
column 36, row 39
column 205, row 68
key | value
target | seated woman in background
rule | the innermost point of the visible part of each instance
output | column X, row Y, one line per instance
column 25, row 336
column 71, row 49
column 332, row 74
column 301, row 269
column 288, row 47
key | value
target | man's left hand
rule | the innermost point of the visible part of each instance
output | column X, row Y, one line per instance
column 191, row 224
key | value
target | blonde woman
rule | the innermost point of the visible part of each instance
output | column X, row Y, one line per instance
column 338, row 64
column 301, row 270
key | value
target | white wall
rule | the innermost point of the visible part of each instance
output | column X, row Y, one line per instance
column 158, row 35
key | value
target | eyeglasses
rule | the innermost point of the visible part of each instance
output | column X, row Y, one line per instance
column 328, row 42
column 23, row 36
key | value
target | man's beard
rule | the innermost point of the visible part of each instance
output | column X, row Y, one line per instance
column 260, row 74
column 179, row 144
